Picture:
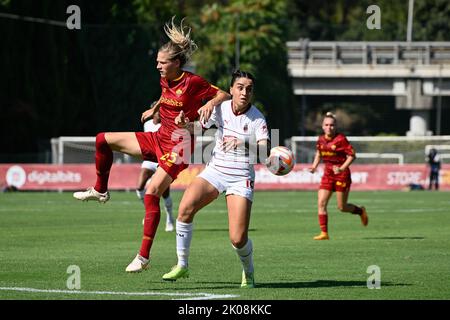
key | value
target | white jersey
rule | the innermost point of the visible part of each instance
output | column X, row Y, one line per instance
column 250, row 127
column 150, row 126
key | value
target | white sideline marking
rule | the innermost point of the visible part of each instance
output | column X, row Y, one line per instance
column 187, row 295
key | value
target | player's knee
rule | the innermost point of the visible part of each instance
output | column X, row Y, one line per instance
column 238, row 241
column 100, row 140
column 153, row 190
column 322, row 205
column 186, row 213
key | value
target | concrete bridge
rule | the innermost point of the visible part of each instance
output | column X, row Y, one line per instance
column 417, row 74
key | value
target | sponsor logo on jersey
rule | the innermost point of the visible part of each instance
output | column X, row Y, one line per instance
column 264, row 129
column 171, row 102
column 327, row 153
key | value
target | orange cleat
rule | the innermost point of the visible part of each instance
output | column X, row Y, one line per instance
column 322, row 236
column 364, row 217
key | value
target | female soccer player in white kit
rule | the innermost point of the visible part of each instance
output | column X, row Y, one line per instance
column 148, row 168
column 230, row 170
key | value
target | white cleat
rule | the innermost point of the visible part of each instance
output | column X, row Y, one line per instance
column 169, row 226
column 140, row 194
column 91, row 194
column 138, row 264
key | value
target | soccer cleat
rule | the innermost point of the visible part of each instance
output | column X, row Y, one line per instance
column 177, row 272
column 248, row 280
column 322, row 236
column 169, row 226
column 364, row 217
column 92, row 194
column 138, row 264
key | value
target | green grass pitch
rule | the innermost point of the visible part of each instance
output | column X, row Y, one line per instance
column 42, row 234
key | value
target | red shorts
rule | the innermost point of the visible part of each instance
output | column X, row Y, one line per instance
column 336, row 182
column 170, row 159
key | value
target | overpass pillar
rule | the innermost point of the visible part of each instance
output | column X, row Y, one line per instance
column 418, row 123
column 420, row 106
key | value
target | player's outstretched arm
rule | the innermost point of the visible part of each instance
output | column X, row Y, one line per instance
column 183, row 122
column 148, row 114
column 263, row 151
column 316, row 162
column 206, row 111
column 344, row 166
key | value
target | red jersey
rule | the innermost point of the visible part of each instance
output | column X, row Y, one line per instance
column 187, row 93
column 334, row 151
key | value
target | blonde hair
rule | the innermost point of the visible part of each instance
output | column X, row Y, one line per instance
column 330, row 115
column 180, row 46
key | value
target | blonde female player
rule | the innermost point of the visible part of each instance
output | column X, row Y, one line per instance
column 181, row 91
column 230, row 170
column 337, row 154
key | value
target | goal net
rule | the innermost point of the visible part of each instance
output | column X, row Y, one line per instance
column 380, row 150
column 369, row 150
column 82, row 150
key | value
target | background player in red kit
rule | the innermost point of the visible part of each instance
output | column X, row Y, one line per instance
column 337, row 154
column 181, row 91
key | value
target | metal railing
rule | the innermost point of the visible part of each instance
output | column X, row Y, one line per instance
column 370, row 52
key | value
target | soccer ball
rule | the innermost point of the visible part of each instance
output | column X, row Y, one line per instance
column 280, row 161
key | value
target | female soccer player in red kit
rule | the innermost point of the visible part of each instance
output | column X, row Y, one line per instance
column 181, row 91
column 337, row 154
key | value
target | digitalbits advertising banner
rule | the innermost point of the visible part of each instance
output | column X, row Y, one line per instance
column 125, row 177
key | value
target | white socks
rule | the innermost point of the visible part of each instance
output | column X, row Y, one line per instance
column 246, row 255
column 184, row 237
column 168, row 204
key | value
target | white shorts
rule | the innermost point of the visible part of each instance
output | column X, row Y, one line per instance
column 236, row 185
column 149, row 165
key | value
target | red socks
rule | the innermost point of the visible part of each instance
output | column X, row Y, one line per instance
column 152, row 216
column 323, row 222
column 103, row 162
column 357, row 210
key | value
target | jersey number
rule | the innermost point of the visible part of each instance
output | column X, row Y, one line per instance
column 169, row 158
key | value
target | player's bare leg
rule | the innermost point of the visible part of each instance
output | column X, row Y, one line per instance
column 168, row 206
column 105, row 144
column 239, row 210
column 144, row 175
column 125, row 142
column 344, row 206
column 199, row 194
column 323, row 197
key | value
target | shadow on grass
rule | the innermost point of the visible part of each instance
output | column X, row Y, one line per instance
column 216, row 230
column 324, row 284
column 396, row 238
column 284, row 285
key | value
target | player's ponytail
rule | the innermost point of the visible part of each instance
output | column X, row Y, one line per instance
column 180, row 46
column 330, row 115
column 241, row 74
